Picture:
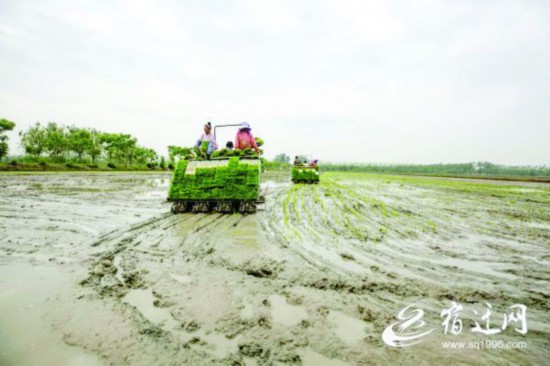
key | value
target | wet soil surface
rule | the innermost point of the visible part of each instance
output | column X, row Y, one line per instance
column 95, row 270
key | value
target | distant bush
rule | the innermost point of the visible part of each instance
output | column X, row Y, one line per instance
column 13, row 162
column 171, row 166
column 111, row 165
column 93, row 166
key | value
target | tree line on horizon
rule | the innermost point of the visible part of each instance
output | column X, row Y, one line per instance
column 58, row 143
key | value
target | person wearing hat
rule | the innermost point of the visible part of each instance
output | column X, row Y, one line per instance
column 244, row 138
column 207, row 139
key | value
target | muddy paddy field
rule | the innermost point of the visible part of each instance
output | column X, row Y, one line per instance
column 95, row 270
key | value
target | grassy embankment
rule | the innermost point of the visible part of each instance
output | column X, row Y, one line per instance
column 70, row 167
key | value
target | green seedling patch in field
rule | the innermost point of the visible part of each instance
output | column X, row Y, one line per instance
column 238, row 180
column 304, row 174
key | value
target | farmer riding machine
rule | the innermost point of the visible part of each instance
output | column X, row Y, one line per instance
column 305, row 170
column 226, row 182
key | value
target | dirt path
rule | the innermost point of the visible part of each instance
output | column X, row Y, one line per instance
column 313, row 278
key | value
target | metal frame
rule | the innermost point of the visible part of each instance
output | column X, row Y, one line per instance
column 223, row 157
column 228, row 125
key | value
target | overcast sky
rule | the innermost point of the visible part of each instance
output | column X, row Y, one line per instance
column 374, row 81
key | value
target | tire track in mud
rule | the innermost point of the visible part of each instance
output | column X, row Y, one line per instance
column 227, row 247
column 115, row 234
column 107, row 273
column 195, row 241
column 127, row 272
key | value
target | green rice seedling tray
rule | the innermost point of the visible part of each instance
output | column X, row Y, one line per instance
column 233, row 179
column 304, row 174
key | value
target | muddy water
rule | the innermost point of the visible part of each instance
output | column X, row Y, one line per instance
column 94, row 270
column 26, row 337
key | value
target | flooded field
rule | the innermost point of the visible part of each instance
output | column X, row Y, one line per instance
column 95, row 270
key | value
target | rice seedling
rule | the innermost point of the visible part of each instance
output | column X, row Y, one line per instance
column 238, row 180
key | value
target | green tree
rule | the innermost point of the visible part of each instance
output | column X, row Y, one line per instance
column 56, row 140
column 177, row 151
column 129, row 145
column 119, row 147
column 33, row 140
column 282, row 158
column 5, row 126
column 144, row 155
column 95, row 148
column 79, row 140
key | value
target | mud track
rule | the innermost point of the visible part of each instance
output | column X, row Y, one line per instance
column 314, row 277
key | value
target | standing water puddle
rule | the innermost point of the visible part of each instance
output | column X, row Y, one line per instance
column 222, row 346
column 285, row 314
column 216, row 344
column 348, row 329
column 247, row 311
column 142, row 300
column 249, row 361
column 26, row 337
column 181, row 278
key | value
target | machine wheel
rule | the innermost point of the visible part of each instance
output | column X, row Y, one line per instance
column 179, row 207
column 247, row 207
column 201, row 207
column 223, row 207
